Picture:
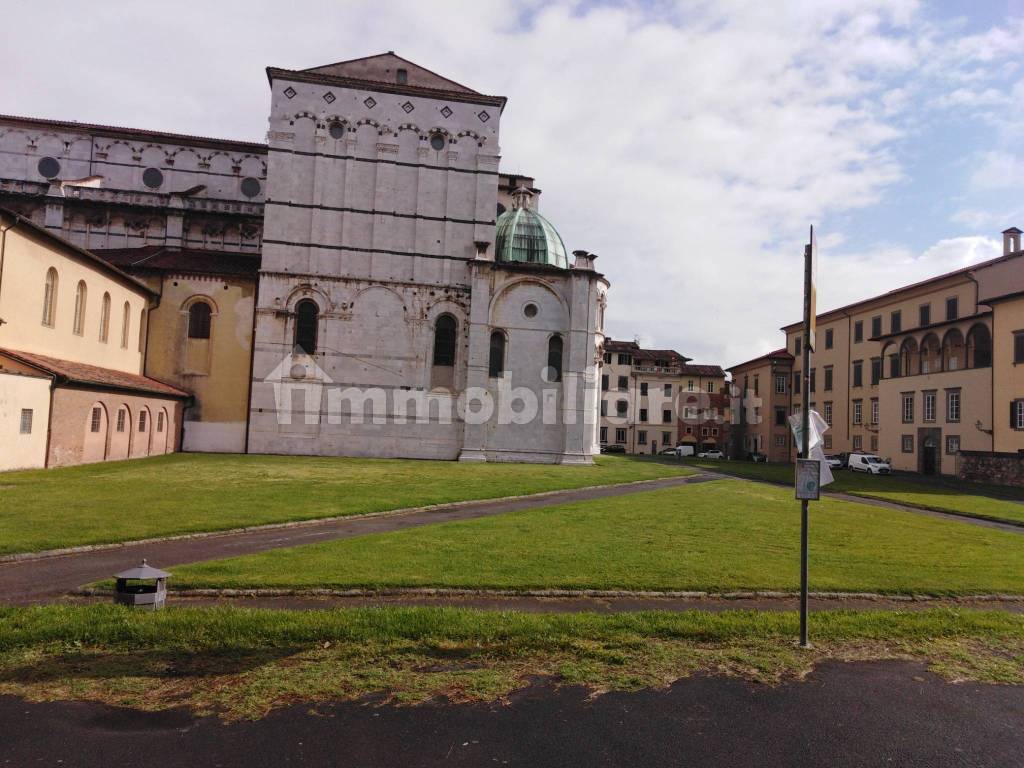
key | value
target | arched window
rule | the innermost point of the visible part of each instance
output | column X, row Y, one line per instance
column 80, row 294
column 931, row 354
column 979, row 347
column 142, row 329
column 126, row 320
column 555, row 358
column 306, row 320
column 199, row 320
column 50, row 298
column 105, row 318
column 910, row 358
column 497, row 360
column 953, row 350
column 444, row 341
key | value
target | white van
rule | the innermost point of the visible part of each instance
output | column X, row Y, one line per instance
column 684, row 450
column 868, row 462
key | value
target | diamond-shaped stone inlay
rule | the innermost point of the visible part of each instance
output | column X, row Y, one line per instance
column 408, row 107
column 290, row 92
column 484, row 117
column 369, row 102
column 446, row 111
column 329, row 97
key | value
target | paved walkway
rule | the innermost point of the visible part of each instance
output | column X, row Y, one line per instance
column 842, row 716
column 30, row 581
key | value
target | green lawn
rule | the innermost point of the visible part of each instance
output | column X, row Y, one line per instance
column 242, row 663
column 188, row 493
column 721, row 535
column 975, row 499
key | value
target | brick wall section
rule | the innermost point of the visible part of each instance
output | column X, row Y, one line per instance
column 995, row 468
column 69, row 426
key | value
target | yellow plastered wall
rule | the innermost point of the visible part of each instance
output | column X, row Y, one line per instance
column 215, row 371
column 1008, row 377
column 27, row 257
column 19, row 392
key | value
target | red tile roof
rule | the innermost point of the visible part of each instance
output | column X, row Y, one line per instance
column 778, row 354
column 69, row 372
column 703, row 370
column 162, row 259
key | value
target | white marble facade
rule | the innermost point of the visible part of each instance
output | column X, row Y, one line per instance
column 381, row 200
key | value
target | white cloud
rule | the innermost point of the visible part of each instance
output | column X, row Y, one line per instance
column 689, row 144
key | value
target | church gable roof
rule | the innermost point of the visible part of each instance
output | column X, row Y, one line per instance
column 383, row 68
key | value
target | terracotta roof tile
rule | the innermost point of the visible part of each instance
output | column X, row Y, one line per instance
column 71, row 372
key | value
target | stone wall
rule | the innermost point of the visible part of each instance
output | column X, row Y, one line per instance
column 987, row 467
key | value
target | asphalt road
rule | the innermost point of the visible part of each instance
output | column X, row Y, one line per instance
column 843, row 715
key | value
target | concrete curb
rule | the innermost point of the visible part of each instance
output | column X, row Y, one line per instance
column 593, row 593
column 48, row 553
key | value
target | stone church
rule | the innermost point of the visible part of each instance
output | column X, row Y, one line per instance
column 367, row 283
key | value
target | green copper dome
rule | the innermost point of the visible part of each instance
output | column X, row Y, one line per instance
column 523, row 235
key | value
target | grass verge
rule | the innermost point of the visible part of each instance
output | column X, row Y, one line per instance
column 944, row 495
column 191, row 493
column 241, row 663
column 718, row 536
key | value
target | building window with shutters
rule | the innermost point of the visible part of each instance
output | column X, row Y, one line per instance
column 858, row 332
column 1017, row 414
column 668, row 390
column 780, row 385
column 952, row 444
column 858, row 412
column 874, row 410
column 604, row 434
column 828, row 378
column 666, row 438
column 25, row 427
column 643, row 414
column 159, row 422
column 623, row 383
column 666, row 415
column 829, row 338
column 928, row 405
column 908, row 407
column 858, row 373
column 895, row 322
column 876, row 326
column 620, row 435
column 96, row 419
column 876, row 370
column 953, row 405
column 828, row 412
column 952, row 308
column 780, row 417
column 1018, row 346
column 907, row 444
column 874, row 442
column 858, row 443
column 604, row 407
column 643, row 387
column 122, row 415
column 142, row 421
column 796, row 382
column 641, row 437
column 604, row 382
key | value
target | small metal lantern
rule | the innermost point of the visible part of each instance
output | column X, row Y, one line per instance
column 141, row 587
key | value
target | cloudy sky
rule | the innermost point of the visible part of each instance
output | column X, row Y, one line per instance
column 689, row 144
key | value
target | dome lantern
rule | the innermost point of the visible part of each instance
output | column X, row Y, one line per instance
column 524, row 236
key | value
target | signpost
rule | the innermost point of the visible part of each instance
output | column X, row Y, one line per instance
column 810, row 323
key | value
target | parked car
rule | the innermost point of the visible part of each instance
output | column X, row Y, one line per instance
column 683, row 450
column 834, row 462
column 667, row 452
column 716, row 454
column 613, row 448
column 757, row 457
column 868, row 462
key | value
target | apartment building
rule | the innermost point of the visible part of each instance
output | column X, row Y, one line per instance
column 909, row 373
column 764, row 392
column 655, row 398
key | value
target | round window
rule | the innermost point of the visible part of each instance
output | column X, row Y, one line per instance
column 437, row 141
column 49, row 167
column 152, row 178
column 337, row 130
column 250, row 186
column 530, row 310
